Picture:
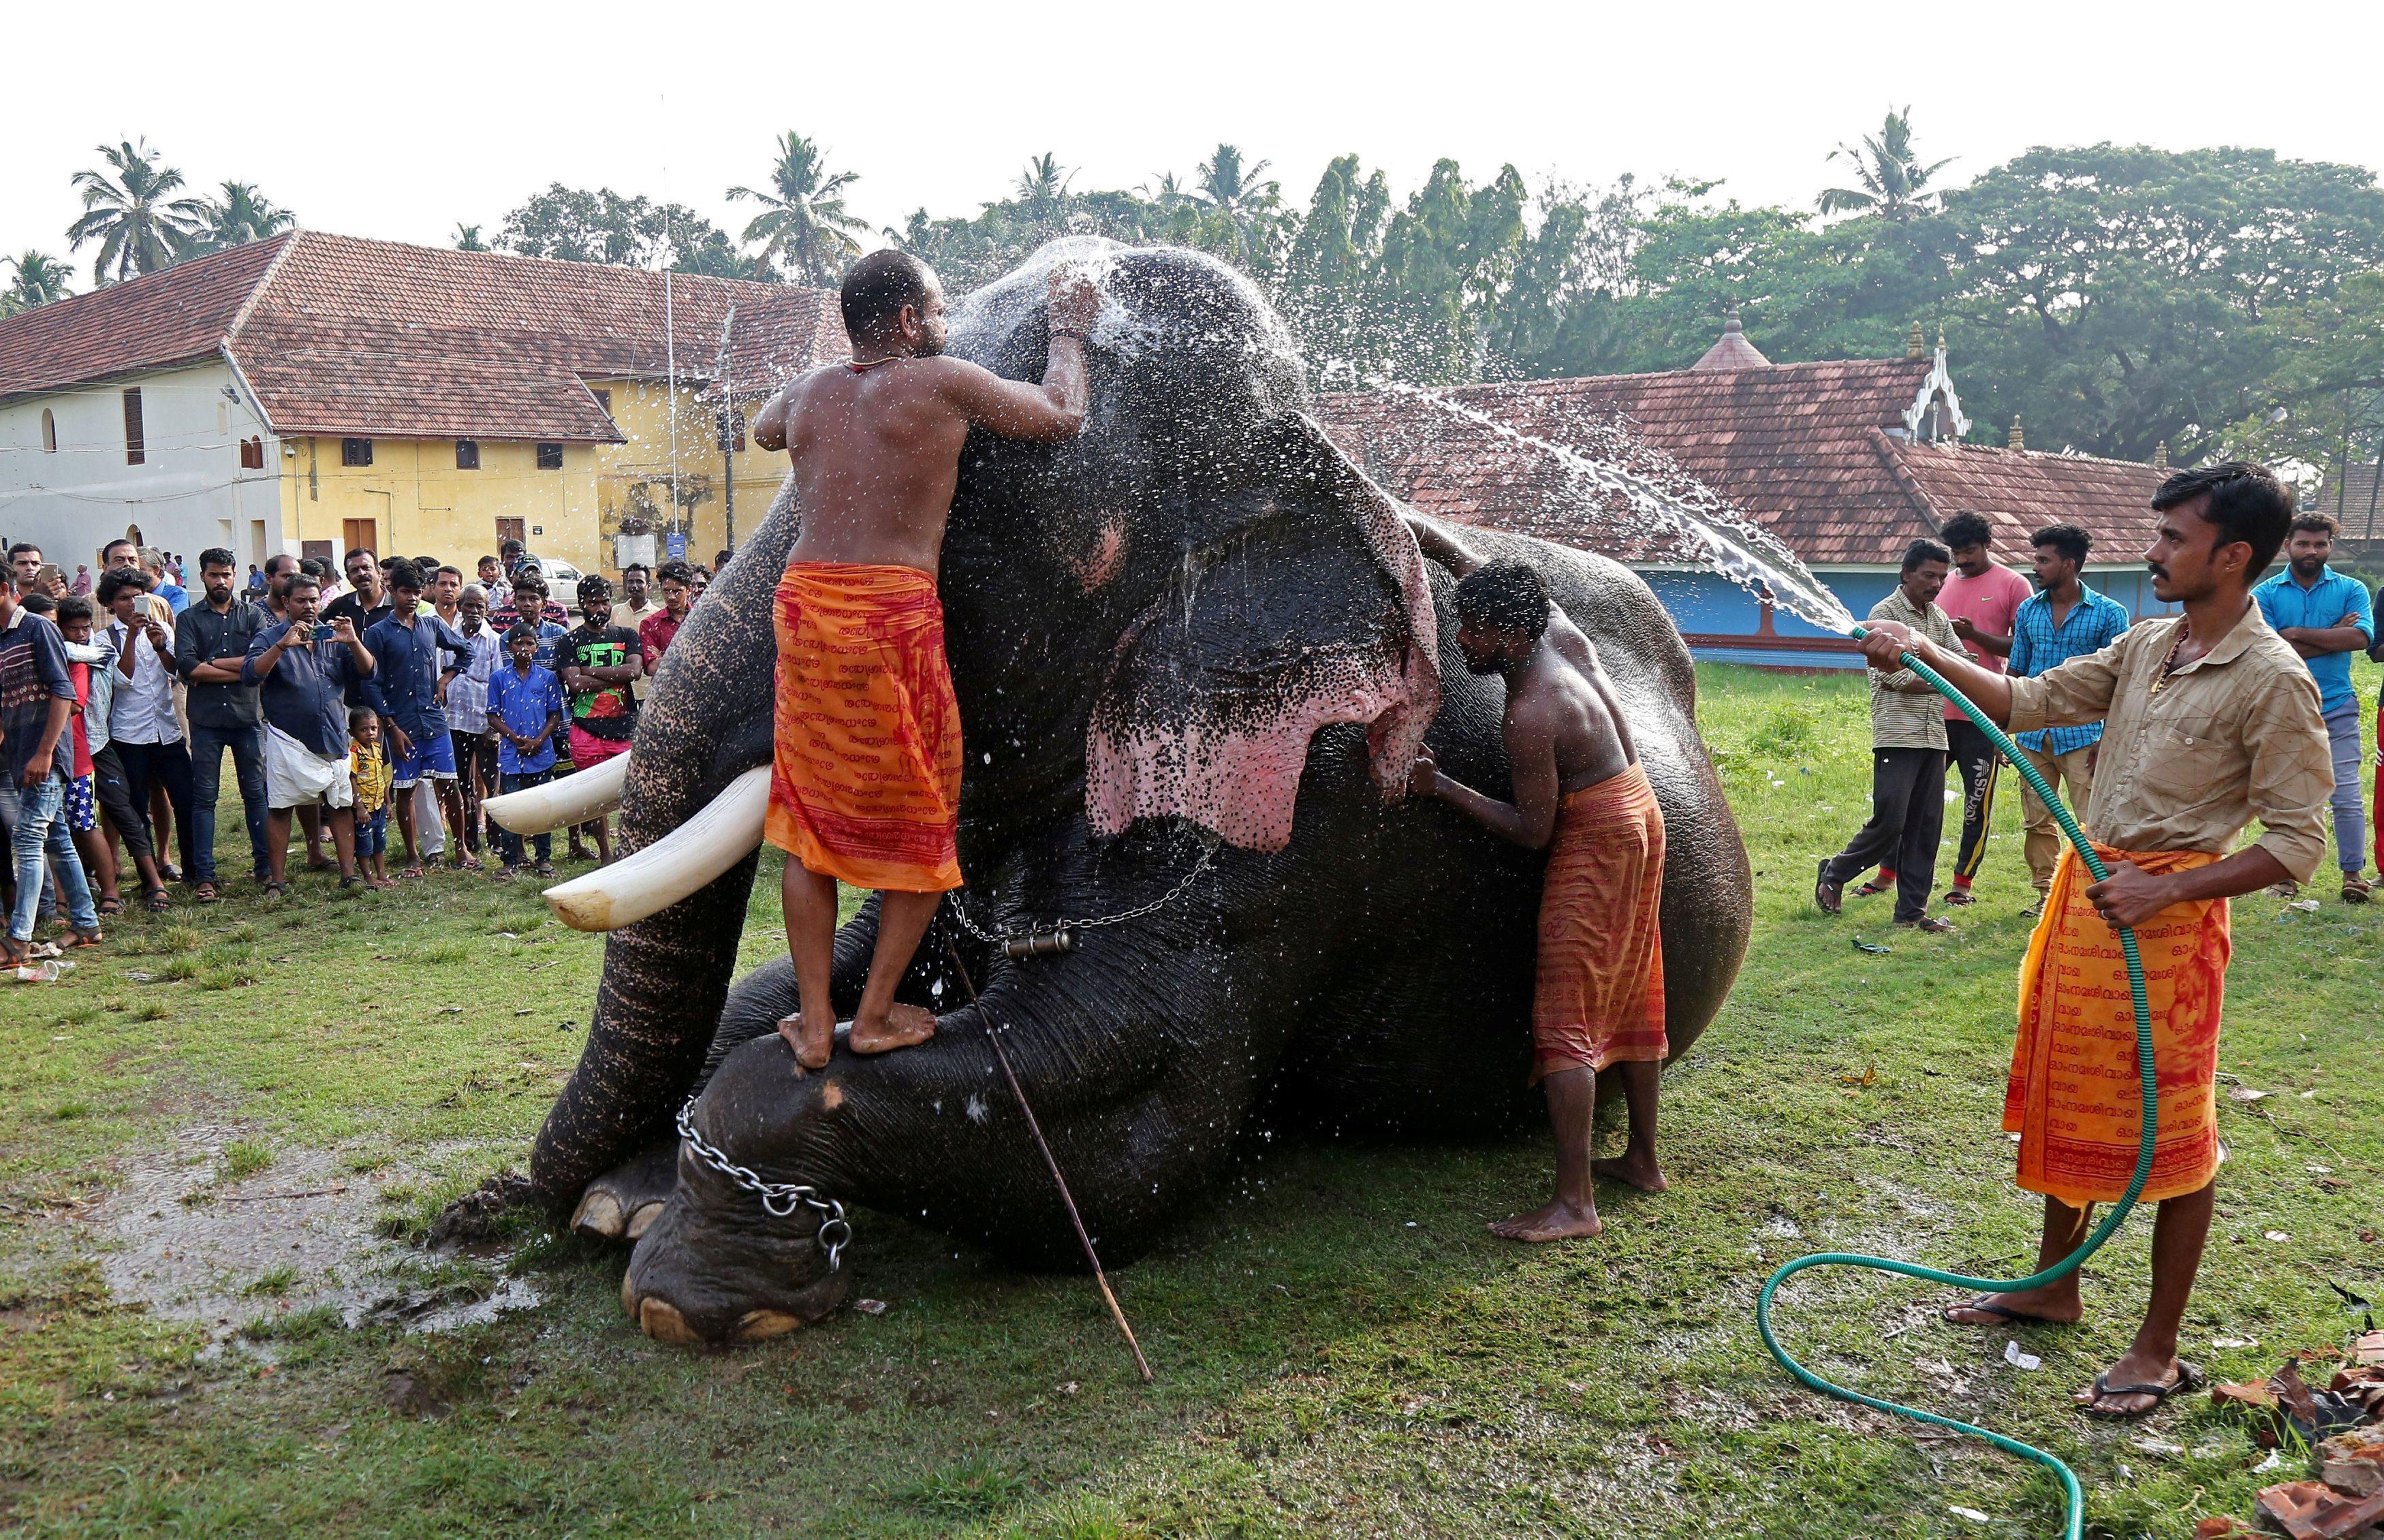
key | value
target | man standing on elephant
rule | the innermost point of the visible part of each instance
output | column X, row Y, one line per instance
column 864, row 786
column 1597, row 997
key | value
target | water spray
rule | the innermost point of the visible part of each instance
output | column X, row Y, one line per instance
column 2073, row 1497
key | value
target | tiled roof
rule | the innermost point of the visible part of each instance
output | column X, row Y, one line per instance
column 2019, row 491
column 1732, row 350
column 143, row 323
column 1803, row 451
column 340, row 335
column 797, row 329
column 2354, row 498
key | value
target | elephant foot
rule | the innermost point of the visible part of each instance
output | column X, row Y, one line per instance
column 621, row 1204
column 699, row 1284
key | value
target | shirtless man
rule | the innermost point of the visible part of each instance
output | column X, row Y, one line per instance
column 1580, row 793
column 865, row 777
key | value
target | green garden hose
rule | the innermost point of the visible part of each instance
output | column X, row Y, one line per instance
column 2073, row 1498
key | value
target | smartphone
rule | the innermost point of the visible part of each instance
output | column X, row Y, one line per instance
column 325, row 633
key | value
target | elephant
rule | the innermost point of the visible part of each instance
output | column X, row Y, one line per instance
column 1196, row 652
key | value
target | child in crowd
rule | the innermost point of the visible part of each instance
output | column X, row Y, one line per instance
column 370, row 770
column 525, row 709
column 74, row 618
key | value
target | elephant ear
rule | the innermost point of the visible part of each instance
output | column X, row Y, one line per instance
column 1303, row 604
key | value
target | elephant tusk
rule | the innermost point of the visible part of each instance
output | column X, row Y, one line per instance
column 723, row 832
column 558, row 804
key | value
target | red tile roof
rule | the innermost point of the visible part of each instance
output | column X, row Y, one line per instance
column 1803, row 451
column 340, row 335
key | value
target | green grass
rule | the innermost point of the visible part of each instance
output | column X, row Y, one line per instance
column 1340, row 1349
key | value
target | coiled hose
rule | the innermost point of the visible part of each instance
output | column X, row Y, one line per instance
column 2073, row 1498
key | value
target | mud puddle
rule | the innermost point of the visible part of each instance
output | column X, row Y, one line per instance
column 296, row 1235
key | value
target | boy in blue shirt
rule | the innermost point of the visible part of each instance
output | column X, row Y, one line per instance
column 525, row 709
column 2327, row 618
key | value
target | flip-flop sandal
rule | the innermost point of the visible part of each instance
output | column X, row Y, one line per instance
column 2001, row 1312
column 1960, row 898
column 546, row 868
column 2189, row 1377
column 277, row 889
column 1873, row 889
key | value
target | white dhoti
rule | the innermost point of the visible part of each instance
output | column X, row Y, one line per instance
column 296, row 775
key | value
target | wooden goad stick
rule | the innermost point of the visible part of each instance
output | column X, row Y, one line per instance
column 1001, row 1056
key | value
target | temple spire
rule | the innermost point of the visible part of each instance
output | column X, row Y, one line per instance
column 1733, row 351
column 2016, row 441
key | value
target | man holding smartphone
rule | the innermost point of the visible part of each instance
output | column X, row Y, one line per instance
column 302, row 670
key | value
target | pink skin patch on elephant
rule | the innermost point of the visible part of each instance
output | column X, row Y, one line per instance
column 1241, row 780
column 1094, row 568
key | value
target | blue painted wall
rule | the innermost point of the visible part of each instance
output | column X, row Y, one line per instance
column 1707, row 603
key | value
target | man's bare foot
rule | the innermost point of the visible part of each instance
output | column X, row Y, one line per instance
column 812, row 1045
column 1558, row 1220
column 1646, row 1175
column 2002, row 1309
column 905, row 1026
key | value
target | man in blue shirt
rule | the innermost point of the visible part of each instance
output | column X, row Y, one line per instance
column 2064, row 619
column 302, row 683
column 416, row 653
column 525, row 709
column 2327, row 618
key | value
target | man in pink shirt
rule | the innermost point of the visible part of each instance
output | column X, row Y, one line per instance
column 1982, row 598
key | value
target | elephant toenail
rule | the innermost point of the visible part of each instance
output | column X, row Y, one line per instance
column 664, row 1323
column 599, row 1214
column 642, row 1220
column 761, row 1325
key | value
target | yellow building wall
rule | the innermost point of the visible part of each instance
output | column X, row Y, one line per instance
column 421, row 505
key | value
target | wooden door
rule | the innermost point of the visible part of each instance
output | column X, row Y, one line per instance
column 509, row 530
column 360, row 534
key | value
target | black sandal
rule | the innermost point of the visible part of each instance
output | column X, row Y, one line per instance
column 2189, row 1377
column 109, row 908
column 159, row 900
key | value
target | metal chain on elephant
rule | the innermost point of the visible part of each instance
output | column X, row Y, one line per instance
column 1038, row 940
column 781, row 1198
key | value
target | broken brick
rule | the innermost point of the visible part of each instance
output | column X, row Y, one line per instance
column 2311, row 1510
column 2352, row 1463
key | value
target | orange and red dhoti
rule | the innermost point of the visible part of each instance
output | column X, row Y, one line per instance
column 2075, row 1097
column 1597, row 994
column 865, row 776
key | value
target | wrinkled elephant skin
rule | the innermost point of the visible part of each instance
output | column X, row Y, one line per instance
column 1196, row 624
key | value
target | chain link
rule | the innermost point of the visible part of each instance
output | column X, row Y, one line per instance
column 1208, row 852
column 781, row 1198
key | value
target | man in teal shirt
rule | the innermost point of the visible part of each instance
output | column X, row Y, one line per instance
column 2327, row 618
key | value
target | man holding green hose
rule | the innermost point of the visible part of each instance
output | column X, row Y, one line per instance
column 2212, row 721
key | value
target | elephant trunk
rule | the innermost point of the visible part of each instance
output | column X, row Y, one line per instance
column 666, row 976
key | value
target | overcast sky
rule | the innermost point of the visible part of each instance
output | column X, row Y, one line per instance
column 401, row 121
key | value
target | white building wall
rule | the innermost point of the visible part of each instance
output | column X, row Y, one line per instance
column 189, row 493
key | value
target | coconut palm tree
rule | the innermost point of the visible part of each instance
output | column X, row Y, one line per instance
column 1892, row 178
column 467, row 237
column 132, row 213
column 1232, row 189
column 241, row 216
column 804, row 222
column 1169, row 193
column 1041, row 191
column 41, row 277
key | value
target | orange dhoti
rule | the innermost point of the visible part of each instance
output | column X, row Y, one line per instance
column 865, row 780
column 1598, row 994
column 2076, row 1098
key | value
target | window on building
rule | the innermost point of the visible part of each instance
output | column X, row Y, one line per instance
column 355, row 452
column 467, row 454
column 135, row 449
column 550, row 456
column 604, row 399
column 252, row 454
column 49, row 431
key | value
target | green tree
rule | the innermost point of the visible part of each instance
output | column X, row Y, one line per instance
column 804, row 226
column 467, row 237
column 1039, row 196
column 240, row 215
column 1332, row 281
column 131, row 211
column 1892, row 178
column 1231, row 191
column 39, row 279
column 575, row 225
column 2114, row 297
column 1445, row 257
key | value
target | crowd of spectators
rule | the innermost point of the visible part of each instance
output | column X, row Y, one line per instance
column 393, row 694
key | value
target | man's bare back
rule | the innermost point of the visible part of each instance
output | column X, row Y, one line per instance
column 875, row 443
